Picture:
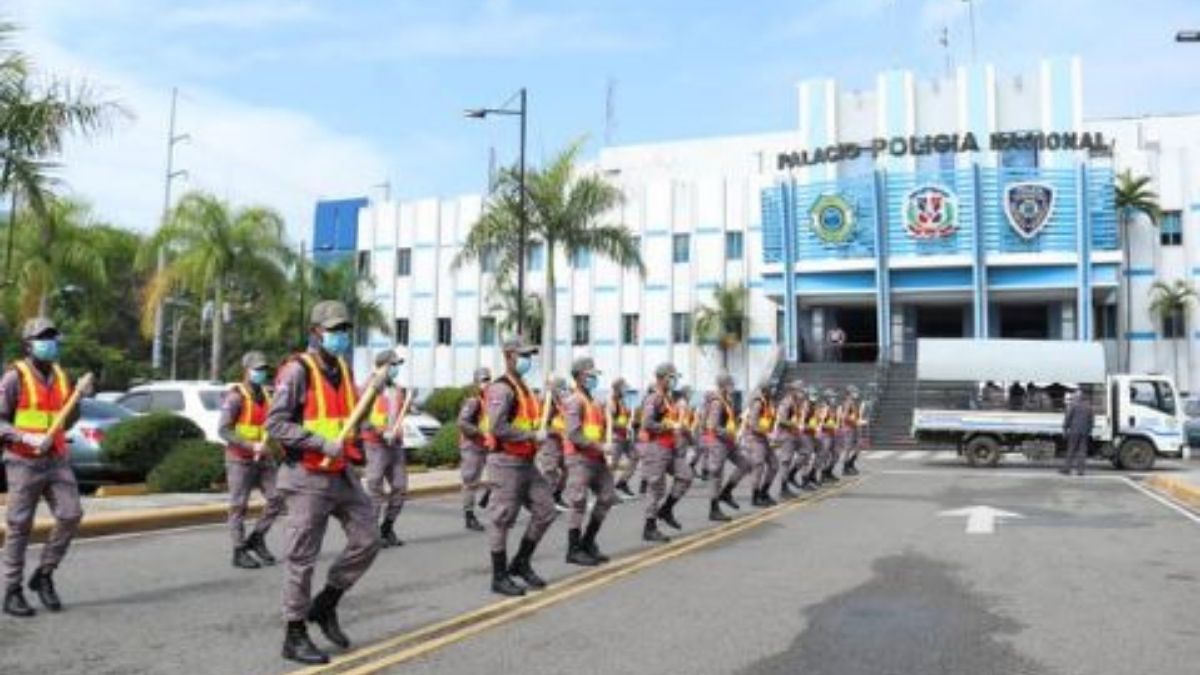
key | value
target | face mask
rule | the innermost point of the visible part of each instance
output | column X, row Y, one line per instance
column 44, row 350
column 591, row 382
column 258, row 376
column 394, row 373
column 524, row 363
column 335, row 342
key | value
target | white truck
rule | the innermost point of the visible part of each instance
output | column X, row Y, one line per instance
column 990, row 397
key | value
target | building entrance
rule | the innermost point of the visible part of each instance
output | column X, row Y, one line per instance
column 941, row 321
column 862, row 338
column 1025, row 322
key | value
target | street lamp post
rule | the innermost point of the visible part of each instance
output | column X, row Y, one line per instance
column 522, row 224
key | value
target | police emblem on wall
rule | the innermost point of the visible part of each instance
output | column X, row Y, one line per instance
column 931, row 212
column 832, row 219
column 1028, row 207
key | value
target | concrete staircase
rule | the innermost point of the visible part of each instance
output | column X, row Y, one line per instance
column 895, row 394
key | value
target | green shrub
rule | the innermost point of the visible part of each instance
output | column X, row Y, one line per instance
column 140, row 443
column 442, row 449
column 190, row 466
column 443, row 404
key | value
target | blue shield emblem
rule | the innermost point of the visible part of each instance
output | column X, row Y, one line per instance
column 1028, row 207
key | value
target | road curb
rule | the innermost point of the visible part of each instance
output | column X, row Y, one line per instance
column 1177, row 489
column 171, row 517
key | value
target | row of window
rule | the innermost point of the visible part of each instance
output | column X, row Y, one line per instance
column 581, row 330
column 1174, row 325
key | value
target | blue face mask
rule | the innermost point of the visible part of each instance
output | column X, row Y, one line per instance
column 393, row 373
column 524, row 363
column 336, row 341
column 591, row 382
column 258, row 376
column 44, row 350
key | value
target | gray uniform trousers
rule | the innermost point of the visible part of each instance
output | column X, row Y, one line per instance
column 312, row 498
column 718, row 452
column 1077, row 449
column 550, row 463
column 584, row 474
column 28, row 481
column 657, row 462
column 470, row 469
column 627, row 450
column 763, row 463
column 806, row 452
column 826, row 451
column 787, row 451
column 517, row 483
column 387, row 463
column 243, row 476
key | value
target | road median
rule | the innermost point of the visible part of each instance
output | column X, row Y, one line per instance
column 1183, row 491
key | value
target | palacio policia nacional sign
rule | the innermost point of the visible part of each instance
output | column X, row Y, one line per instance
column 904, row 146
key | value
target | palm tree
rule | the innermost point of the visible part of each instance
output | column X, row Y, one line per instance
column 1169, row 300
column 341, row 281
column 725, row 322
column 504, row 305
column 564, row 210
column 212, row 249
column 1131, row 196
column 54, row 248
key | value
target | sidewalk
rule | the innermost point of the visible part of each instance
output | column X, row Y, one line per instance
column 119, row 515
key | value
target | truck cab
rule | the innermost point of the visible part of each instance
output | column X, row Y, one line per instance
column 1146, row 419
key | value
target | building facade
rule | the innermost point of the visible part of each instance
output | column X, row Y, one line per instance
column 974, row 205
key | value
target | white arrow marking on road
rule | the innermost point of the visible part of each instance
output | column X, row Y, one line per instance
column 981, row 519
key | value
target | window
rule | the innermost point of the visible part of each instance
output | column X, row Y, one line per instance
column 489, row 260
column 487, row 331
column 581, row 259
column 364, row 263
column 138, row 403
column 733, row 245
column 403, row 262
column 536, row 255
column 681, row 328
column 1170, row 228
column 210, row 399
column 444, row 334
column 581, row 325
column 637, row 243
column 535, row 334
column 1021, row 152
column 361, row 332
column 681, row 251
column 1174, row 325
column 629, row 329
column 166, row 400
column 780, row 322
column 402, row 332
column 1106, row 322
column 1155, row 395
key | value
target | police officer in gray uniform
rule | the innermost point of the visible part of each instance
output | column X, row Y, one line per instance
column 587, row 469
column 249, row 462
column 660, row 447
column 471, row 449
column 387, row 461
column 313, row 397
column 1077, row 427
column 787, row 437
column 720, row 437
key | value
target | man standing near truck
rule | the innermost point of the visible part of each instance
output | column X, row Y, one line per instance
column 1077, row 428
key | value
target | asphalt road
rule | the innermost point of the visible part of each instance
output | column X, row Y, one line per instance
column 1096, row 577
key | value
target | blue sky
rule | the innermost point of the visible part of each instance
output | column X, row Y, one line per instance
column 291, row 100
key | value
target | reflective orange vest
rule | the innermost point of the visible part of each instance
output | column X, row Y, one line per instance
column 816, row 420
column 730, row 422
column 850, row 419
column 593, row 428
column 251, row 424
column 558, row 421
column 766, row 418
column 38, row 406
column 620, row 423
column 379, row 419
column 665, row 439
column 526, row 418
column 326, row 410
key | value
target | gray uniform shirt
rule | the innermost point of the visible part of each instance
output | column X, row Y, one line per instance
column 285, row 417
column 752, row 415
column 654, row 408
column 714, row 418
column 469, row 416
column 10, row 395
column 231, row 412
column 1079, row 419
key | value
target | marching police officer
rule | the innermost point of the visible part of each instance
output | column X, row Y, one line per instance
column 787, row 437
column 514, row 432
column 383, row 440
column 32, row 393
column 624, row 448
column 314, row 397
column 586, row 465
column 720, row 440
column 471, row 449
column 806, row 449
column 550, row 454
column 814, row 433
column 619, row 417
column 850, row 431
column 659, row 445
column 827, row 441
column 249, row 461
column 759, row 425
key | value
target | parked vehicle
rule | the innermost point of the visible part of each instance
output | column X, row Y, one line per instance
column 198, row 401
column 84, row 439
column 990, row 397
column 419, row 429
column 1191, row 428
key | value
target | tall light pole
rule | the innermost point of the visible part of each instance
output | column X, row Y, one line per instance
column 522, row 220
column 971, row 12
column 171, row 175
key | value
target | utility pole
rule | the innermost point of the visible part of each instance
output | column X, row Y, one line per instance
column 171, row 175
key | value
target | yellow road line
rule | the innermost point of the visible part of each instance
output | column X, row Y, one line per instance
column 436, row 636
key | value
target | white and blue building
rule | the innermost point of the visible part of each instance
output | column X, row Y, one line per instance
column 974, row 205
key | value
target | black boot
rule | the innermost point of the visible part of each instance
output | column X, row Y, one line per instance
column 473, row 523
column 643, row 486
column 588, row 542
column 705, row 475
column 810, row 482
column 43, row 584
column 785, row 490
column 727, row 497
column 501, row 582
column 521, row 566
column 623, row 487
column 14, row 603
column 323, row 612
column 258, row 543
column 850, row 468
column 666, row 512
column 791, row 477
column 487, row 497
column 576, row 554
column 829, row 476
column 242, row 558
column 764, row 498
column 715, row 513
column 650, row 532
column 298, row 647
column 387, row 534
column 559, row 503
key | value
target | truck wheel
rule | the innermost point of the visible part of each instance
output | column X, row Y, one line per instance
column 1136, row 454
column 982, row 451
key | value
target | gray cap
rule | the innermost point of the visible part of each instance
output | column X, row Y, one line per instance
column 330, row 314
column 482, row 374
column 518, row 346
column 584, row 365
column 665, row 370
column 388, row 357
column 254, row 360
column 620, row 383
column 559, row 384
column 724, row 380
column 36, row 327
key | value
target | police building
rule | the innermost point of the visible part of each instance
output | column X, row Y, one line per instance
column 980, row 204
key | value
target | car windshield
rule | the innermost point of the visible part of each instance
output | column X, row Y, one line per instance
column 211, row 399
column 102, row 410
